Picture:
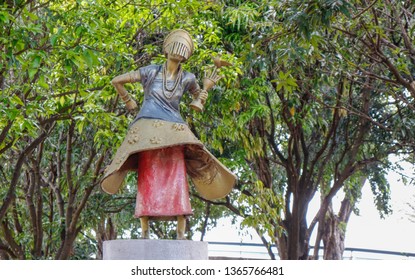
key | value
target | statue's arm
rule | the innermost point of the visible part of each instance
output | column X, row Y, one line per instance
column 119, row 81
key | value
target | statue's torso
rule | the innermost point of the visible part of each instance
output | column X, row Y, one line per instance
column 159, row 103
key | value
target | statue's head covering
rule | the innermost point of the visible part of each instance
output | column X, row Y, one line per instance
column 178, row 42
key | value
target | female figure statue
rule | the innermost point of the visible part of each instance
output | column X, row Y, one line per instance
column 159, row 145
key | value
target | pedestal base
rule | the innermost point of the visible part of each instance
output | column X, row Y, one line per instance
column 147, row 249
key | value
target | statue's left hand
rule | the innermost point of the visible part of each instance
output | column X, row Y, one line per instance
column 203, row 95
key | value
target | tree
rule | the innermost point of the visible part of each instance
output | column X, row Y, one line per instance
column 316, row 112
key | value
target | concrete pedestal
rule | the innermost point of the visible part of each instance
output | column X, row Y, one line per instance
column 147, row 249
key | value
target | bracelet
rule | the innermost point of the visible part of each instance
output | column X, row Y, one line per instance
column 126, row 100
column 123, row 96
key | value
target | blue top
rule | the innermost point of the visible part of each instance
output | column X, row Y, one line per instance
column 156, row 105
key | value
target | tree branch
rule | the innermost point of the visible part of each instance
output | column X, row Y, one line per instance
column 365, row 10
column 10, row 196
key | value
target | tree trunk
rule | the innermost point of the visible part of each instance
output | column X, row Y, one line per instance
column 295, row 245
column 205, row 222
column 333, row 237
column 335, row 231
column 5, row 252
column 282, row 246
column 334, row 228
column 106, row 231
column 66, row 249
column 4, row 255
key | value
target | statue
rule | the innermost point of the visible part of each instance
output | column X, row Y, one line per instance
column 159, row 145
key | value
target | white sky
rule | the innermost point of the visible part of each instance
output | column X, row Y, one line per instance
column 395, row 233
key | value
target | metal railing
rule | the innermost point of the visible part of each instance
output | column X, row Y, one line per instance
column 234, row 250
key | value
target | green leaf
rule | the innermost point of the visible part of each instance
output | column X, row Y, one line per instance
column 12, row 113
column 62, row 100
column 42, row 82
column 53, row 39
column 87, row 56
column 16, row 99
column 32, row 16
column 292, row 82
column 36, row 62
column 80, row 126
column 19, row 45
column 32, row 72
column 4, row 17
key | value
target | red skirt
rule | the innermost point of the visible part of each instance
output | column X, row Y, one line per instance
column 163, row 191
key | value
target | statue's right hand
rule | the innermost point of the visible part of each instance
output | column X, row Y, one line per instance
column 131, row 105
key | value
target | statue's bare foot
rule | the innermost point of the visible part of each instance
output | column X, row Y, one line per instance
column 180, row 236
column 145, row 234
column 181, row 227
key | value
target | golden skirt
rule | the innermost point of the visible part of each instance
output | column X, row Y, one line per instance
column 210, row 177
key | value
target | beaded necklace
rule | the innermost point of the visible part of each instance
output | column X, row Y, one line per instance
column 169, row 92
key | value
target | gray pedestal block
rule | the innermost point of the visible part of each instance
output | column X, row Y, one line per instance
column 147, row 249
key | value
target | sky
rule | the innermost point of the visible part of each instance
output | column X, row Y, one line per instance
column 367, row 231
column 396, row 232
